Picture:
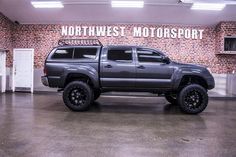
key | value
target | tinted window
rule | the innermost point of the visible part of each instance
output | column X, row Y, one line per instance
column 120, row 55
column 65, row 53
column 148, row 56
column 85, row 53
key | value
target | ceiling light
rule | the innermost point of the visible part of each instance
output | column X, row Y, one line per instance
column 47, row 4
column 127, row 4
column 208, row 6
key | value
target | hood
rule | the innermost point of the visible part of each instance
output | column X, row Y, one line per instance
column 188, row 65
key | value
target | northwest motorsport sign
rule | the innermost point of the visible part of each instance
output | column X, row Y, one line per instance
column 115, row 31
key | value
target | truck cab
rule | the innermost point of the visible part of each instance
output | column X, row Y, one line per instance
column 135, row 68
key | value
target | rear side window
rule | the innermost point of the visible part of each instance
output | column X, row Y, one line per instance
column 85, row 53
column 120, row 55
column 63, row 53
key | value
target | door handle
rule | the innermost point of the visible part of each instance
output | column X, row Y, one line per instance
column 108, row 66
column 141, row 67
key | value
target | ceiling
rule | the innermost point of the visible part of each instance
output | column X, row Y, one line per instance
column 100, row 11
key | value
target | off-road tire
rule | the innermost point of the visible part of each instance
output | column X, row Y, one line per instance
column 78, row 96
column 193, row 99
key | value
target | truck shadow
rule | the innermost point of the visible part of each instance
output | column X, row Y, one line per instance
column 137, row 108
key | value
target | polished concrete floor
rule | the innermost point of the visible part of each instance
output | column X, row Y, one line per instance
column 40, row 125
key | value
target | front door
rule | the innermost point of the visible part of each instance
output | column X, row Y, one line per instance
column 23, row 63
column 152, row 72
column 117, row 67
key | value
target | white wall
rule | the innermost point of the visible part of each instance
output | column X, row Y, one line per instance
column 38, row 86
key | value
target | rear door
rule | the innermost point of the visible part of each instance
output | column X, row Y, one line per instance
column 152, row 72
column 117, row 67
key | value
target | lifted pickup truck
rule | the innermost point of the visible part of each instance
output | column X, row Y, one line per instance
column 84, row 68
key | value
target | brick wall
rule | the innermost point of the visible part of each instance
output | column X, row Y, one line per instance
column 224, row 29
column 5, row 35
column 44, row 37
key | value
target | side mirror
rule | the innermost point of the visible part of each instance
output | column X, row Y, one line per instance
column 166, row 59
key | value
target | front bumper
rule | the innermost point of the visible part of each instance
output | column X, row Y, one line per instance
column 44, row 80
column 211, row 82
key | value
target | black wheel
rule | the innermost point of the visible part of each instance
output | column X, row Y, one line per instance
column 193, row 99
column 97, row 94
column 77, row 96
column 171, row 98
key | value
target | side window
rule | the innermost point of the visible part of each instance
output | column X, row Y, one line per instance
column 85, row 53
column 124, row 55
column 148, row 56
column 63, row 53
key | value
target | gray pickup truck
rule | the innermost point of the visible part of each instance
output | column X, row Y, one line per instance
column 83, row 69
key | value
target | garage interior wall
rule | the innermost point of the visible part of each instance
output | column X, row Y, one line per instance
column 206, row 51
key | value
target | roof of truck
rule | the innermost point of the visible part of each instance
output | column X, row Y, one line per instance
column 135, row 46
column 111, row 46
column 92, row 43
column 70, row 43
column 108, row 46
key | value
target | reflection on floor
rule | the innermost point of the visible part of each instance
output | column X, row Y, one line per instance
column 40, row 125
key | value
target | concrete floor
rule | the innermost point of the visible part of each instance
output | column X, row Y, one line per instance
column 40, row 125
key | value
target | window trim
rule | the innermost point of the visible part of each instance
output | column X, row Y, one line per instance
column 147, row 49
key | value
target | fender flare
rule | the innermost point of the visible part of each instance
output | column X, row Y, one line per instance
column 181, row 73
column 85, row 70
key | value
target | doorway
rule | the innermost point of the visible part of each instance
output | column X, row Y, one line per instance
column 23, row 70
